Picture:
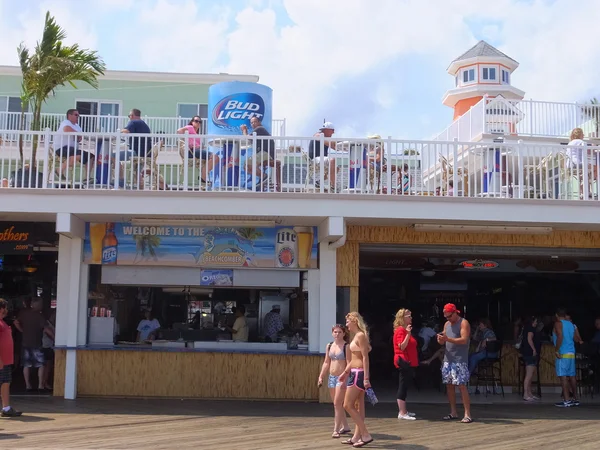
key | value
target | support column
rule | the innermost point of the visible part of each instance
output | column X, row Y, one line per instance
column 313, row 310
column 72, row 284
column 327, row 293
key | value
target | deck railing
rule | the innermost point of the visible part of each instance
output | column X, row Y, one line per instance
column 292, row 164
column 524, row 118
column 110, row 124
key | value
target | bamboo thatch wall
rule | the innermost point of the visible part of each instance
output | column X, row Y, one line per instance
column 59, row 372
column 193, row 374
column 347, row 256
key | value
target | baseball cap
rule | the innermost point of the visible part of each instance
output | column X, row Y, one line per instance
column 450, row 308
column 276, row 307
column 327, row 126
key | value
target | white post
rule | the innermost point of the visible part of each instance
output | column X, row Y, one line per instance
column 313, row 310
column 327, row 293
column 71, row 310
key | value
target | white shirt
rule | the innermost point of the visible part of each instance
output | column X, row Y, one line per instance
column 241, row 326
column 575, row 154
column 67, row 140
column 146, row 327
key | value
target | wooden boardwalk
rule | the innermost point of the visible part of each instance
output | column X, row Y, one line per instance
column 173, row 424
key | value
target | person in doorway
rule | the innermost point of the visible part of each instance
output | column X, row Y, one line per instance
column 564, row 343
column 485, row 334
column 596, row 338
column 336, row 360
column 32, row 324
column 148, row 327
column 405, row 359
column 531, row 346
column 48, row 349
column 427, row 333
column 239, row 330
column 357, row 375
column 455, row 369
column 273, row 323
column 7, row 351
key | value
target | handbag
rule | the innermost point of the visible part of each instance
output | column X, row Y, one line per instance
column 370, row 393
column 519, row 339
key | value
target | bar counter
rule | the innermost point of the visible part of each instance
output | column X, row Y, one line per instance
column 216, row 373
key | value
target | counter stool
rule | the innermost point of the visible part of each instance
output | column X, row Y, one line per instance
column 489, row 370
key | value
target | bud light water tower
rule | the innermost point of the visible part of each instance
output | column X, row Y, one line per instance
column 231, row 105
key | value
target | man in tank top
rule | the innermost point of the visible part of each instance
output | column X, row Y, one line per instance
column 564, row 343
column 455, row 368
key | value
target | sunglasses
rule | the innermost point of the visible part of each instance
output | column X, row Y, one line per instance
column 196, row 121
column 449, row 315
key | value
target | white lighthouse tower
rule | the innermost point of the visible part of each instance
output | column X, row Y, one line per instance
column 481, row 71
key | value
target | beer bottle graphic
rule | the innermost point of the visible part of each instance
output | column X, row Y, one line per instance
column 286, row 248
column 110, row 246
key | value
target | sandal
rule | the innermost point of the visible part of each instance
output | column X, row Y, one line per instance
column 449, row 417
column 362, row 443
column 335, row 435
column 348, row 442
column 466, row 420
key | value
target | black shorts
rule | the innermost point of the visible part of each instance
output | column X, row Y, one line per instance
column 6, row 374
column 530, row 360
column 198, row 154
column 67, row 152
column 356, row 378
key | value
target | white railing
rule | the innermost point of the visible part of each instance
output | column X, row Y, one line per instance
column 525, row 118
column 110, row 124
column 292, row 164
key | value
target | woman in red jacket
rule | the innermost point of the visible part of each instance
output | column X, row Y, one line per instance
column 405, row 359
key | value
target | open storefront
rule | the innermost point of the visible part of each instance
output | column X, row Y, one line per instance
column 193, row 281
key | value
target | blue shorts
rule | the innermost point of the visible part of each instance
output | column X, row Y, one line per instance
column 455, row 373
column 565, row 367
column 333, row 381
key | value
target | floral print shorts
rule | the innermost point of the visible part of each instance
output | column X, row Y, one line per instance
column 455, row 373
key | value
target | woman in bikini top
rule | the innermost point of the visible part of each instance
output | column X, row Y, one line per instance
column 357, row 374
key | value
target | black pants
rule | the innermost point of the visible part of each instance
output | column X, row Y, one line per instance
column 405, row 379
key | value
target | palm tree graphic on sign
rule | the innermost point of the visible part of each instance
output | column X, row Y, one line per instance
column 145, row 247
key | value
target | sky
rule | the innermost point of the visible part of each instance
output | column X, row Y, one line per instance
column 368, row 66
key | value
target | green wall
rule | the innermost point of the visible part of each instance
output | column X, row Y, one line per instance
column 155, row 99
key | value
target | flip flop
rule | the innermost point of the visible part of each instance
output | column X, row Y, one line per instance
column 335, row 435
column 466, row 420
column 345, row 431
column 348, row 442
column 362, row 443
column 449, row 417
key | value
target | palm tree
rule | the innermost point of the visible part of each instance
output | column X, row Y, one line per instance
column 592, row 112
column 146, row 243
column 249, row 234
column 50, row 65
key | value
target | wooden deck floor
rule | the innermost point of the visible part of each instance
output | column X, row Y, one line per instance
column 164, row 424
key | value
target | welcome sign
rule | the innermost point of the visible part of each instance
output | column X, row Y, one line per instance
column 206, row 247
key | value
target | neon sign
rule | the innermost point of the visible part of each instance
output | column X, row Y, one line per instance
column 479, row 264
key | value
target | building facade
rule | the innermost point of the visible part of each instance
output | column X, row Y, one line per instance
column 483, row 221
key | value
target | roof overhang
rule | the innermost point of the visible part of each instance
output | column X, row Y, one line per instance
column 453, row 96
column 507, row 62
column 159, row 77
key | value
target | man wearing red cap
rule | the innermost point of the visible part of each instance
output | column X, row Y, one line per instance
column 455, row 369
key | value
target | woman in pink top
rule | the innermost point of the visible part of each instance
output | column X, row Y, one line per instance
column 195, row 146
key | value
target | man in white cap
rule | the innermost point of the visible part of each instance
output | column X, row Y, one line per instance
column 273, row 323
column 315, row 153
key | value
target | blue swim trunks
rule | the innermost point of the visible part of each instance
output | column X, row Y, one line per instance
column 565, row 366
